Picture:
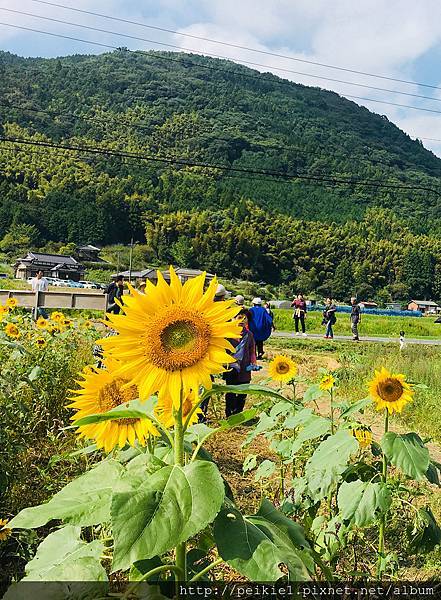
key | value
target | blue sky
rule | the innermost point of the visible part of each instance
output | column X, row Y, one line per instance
column 395, row 38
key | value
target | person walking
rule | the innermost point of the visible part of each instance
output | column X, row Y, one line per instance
column 355, row 319
column 299, row 314
column 115, row 291
column 240, row 300
column 269, row 310
column 39, row 283
column 260, row 324
column 240, row 371
column 329, row 318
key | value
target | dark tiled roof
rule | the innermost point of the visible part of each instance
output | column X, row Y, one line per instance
column 53, row 259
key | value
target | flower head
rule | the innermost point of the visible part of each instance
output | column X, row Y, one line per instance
column 64, row 322
column 173, row 337
column 4, row 531
column 282, row 368
column 102, row 390
column 327, row 382
column 87, row 324
column 40, row 342
column 164, row 410
column 41, row 323
column 12, row 331
column 363, row 436
column 390, row 391
column 4, row 310
column 57, row 316
column 11, row 303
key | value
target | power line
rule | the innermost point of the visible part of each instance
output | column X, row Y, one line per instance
column 238, row 46
column 240, row 61
column 186, row 61
column 186, row 163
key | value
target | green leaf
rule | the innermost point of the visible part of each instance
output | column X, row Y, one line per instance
column 171, row 505
column 356, row 407
column 406, row 452
column 323, row 470
column 238, row 419
column 62, row 556
column 249, row 463
column 314, row 428
column 330, row 536
column 426, row 533
column 83, row 501
column 265, row 469
column 281, row 408
column 142, row 567
column 363, row 502
column 313, row 392
column 35, row 373
column 251, row 389
column 432, row 473
column 299, row 418
column 253, row 549
column 135, row 409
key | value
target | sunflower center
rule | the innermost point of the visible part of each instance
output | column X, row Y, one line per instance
column 390, row 390
column 282, row 368
column 178, row 338
column 113, row 394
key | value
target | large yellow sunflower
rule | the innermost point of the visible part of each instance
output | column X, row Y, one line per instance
column 12, row 331
column 390, row 391
column 282, row 368
column 173, row 337
column 57, row 316
column 164, row 410
column 101, row 390
column 41, row 323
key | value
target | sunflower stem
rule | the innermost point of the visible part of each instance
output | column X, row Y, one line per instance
column 181, row 553
column 331, row 393
column 382, row 529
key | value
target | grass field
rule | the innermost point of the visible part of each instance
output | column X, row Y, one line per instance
column 420, row 364
column 371, row 325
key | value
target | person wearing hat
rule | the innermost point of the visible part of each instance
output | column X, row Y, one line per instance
column 240, row 300
column 261, row 325
column 220, row 294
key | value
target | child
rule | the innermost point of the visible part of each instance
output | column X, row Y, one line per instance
column 402, row 340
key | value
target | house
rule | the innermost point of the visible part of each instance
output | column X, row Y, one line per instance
column 59, row 266
column 427, row 307
column 151, row 274
column 186, row 274
column 89, row 253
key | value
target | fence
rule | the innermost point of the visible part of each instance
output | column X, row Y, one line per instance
column 49, row 300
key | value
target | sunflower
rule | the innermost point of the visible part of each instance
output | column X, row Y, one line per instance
column 40, row 342
column 327, row 382
column 164, row 410
column 390, row 391
column 57, row 316
column 282, row 368
column 11, row 303
column 173, row 337
column 102, row 390
column 12, row 331
column 363, row 436
column 41, row 323
column 4, row 531
column 87, row 324
column 66, row 322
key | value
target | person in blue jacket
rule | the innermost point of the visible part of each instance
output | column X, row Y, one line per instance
column 260, row 324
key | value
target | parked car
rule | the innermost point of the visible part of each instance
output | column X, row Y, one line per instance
column 89, row 285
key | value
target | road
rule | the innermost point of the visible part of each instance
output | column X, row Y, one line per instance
column 348, row 338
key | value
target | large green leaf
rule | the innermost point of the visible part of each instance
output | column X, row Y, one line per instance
column 255, row 547
column 407, row 452
column 314, row 428
column 265, row 469
column 83, row 501
column 358, row 406
column 426, row 533
column 363, row 502
column 170, row 506
column 312, row 393
column 323, row 470
column 245, row 388
column 62, row 556
column 135, row 409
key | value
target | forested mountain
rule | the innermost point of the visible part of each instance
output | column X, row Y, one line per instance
column 202, row 110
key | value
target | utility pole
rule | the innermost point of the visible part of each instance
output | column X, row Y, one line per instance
column 130, row 260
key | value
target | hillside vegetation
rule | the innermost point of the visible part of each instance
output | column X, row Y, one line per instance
column 378, row 242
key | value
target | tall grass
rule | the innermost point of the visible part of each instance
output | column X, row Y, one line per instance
column 371, row 325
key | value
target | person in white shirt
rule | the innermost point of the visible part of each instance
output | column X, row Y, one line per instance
column 40, row 284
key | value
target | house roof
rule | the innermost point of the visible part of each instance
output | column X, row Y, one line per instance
column 191, row 272
column 50, row 259
column 146, row 273
column 89, row 247
column 425, row 302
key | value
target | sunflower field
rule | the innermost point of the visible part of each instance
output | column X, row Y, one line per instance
column 142, row 501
